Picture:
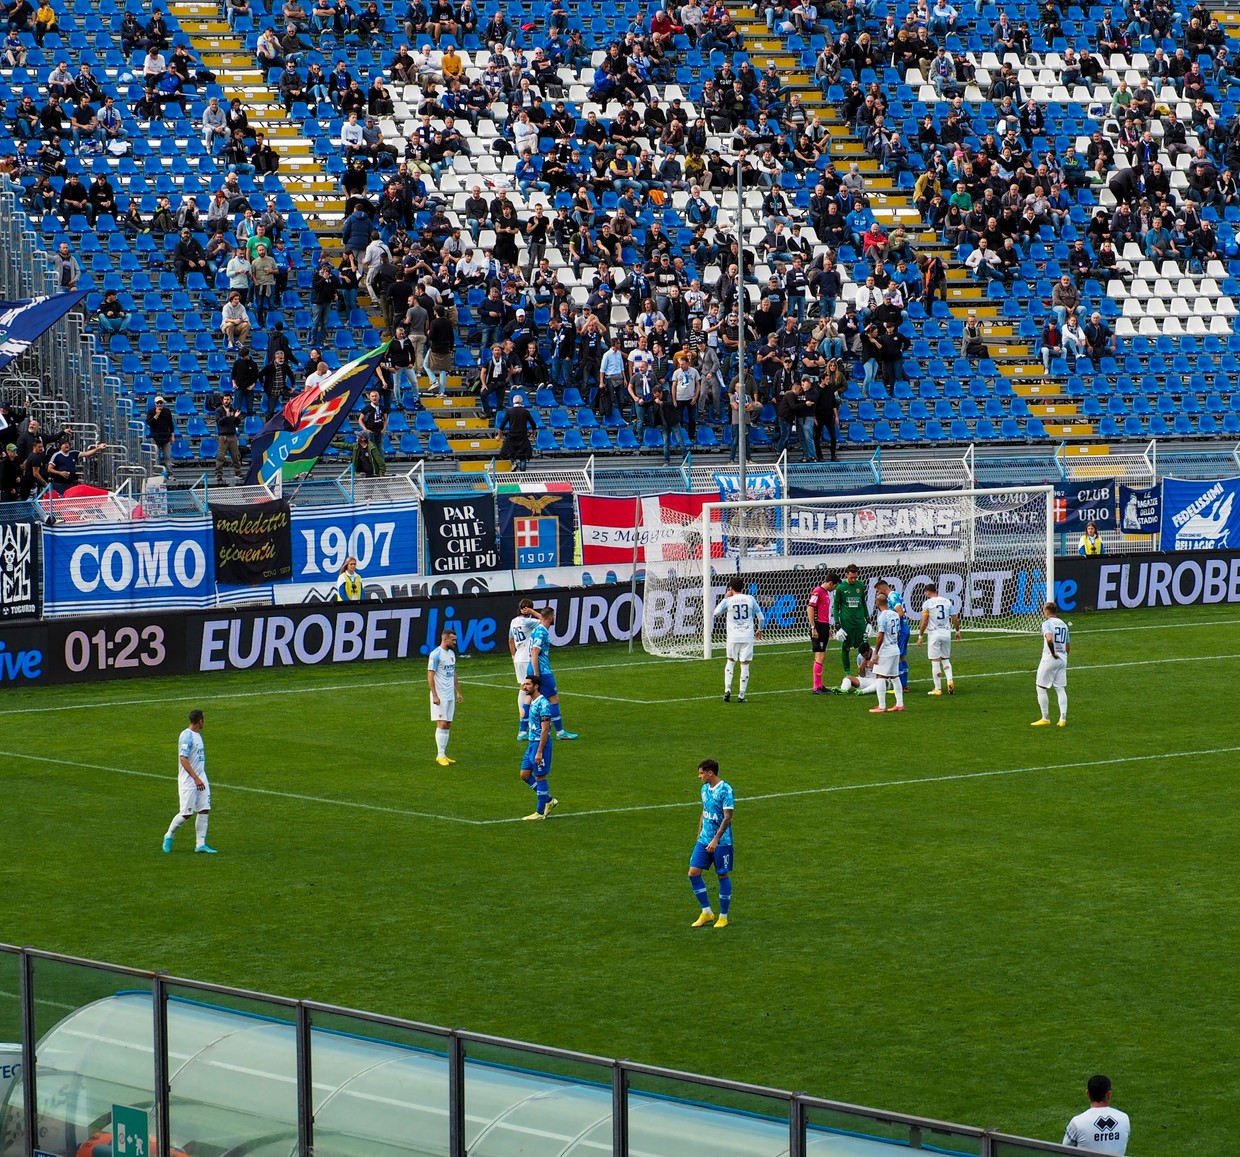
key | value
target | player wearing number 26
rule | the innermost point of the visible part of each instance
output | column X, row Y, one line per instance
column 1053, row 669
column 745, row 621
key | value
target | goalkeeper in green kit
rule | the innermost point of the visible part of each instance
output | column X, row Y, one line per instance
column 850, row 614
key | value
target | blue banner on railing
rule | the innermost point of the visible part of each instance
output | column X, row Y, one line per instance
column 1200, row 515
column 23, row 322
column 1140, row 510
column 1081, row 502
column 155, row 564
column 383, row 537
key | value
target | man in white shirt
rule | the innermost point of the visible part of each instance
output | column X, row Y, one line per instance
column 1101, row 1128
column 445, row 693
column 887, row 662
column 983, row 262
column 214, row 124
column 352, row 137
column 745, row 621
column 1053, row 669
column 940, row 623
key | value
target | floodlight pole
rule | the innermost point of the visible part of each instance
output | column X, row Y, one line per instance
column 742, row 399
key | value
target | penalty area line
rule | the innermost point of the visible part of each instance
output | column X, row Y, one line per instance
column 349, row 803
column 880, row 784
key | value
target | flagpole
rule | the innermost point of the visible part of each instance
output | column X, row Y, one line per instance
column 741, row 301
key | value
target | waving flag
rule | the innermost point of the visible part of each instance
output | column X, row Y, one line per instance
column 23, row 322
column 294, row 440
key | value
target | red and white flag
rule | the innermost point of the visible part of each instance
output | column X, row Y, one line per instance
column 655, row 528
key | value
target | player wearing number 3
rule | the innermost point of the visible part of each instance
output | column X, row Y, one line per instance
column 745, row 621
column 940, row 623
column 1053, row 670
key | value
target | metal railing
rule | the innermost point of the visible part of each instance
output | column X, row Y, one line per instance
column 676, row 1112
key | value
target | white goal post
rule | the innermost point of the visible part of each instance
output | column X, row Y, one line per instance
column 990, row 551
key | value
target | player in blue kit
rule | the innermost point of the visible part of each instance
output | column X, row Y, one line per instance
column 714, row 844
column 895, row 602
column 540, row 663
column 536, row 762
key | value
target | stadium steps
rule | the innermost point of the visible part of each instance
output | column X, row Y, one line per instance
column 224, row 52
column 1018, row 362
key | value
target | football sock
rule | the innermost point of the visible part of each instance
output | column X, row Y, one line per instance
column 845, row 659
column 200, row 828
column 817, row 674
column 441, row 740
column 728, row 668
column 177, row 821
column 1061, row 693
column 880, row 689
column 744, row 678
column 899, row 686
column 936, row 670
column 947, row 670
column 557, row 720
column 1044, row 701
column 523, row 705
column 903, row 675
column 699, row 890
column 544, row 794
column 532, row 783
column 725, row 895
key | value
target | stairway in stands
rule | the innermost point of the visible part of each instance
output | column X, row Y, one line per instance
column 1018, row 361
column 320, row 200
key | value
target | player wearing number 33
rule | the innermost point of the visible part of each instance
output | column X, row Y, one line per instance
column 1053, row 670
column 714, row 844
column 745, row 621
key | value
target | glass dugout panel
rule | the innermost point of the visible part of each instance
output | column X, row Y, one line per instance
column 94, row 1035
column 871, row 1133
column 12, row 1116
column 379, row 1090
column 1021, row 1149
column 671, row 1117
column 232, row 1069
column 539, row 1106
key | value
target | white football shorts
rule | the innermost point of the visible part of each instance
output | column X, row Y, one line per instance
column 1053, row 673
column 939, row 645
column 442, row 711
column 888, row 662
column 193, row 799
column 741, row 652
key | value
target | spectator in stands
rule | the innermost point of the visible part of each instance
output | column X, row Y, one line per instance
column 65, row 267
column 244, row 377
column 161, row 426
column 62, row 466
column 112, row 316
column 1100, row 341
column 278, row 380
column 235, row 322
column 34, row 478
column 20, row 15
column 1051, row 344
column 45, row 22
column 441, row 347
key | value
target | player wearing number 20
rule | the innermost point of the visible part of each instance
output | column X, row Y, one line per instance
column 745, row 621
column 1053, row 670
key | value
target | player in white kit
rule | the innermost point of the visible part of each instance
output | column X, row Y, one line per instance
column 745, row 621
column 192, row 785
column 445, row 693
column 1053, row 669
column 939, row 623
column 887, row 663
column 519, row 648
column 863, row 682
column 1101, row 1128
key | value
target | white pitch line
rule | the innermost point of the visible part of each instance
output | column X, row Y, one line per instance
column 876, row 785
column 349, row 803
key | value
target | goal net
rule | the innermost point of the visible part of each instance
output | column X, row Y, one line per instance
column 991, row 552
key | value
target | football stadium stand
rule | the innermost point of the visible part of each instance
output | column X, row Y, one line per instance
column 962, row 223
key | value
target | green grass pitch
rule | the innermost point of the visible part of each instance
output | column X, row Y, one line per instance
column 945, row 912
